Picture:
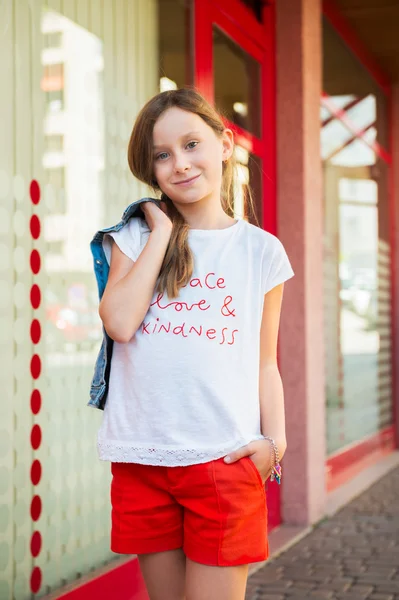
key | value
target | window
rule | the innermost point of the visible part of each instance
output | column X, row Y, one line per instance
column 357, row 294
column 175, row 44
column 237, row 98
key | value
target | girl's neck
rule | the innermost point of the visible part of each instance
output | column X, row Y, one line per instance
column 218, row 225
column 200, row 217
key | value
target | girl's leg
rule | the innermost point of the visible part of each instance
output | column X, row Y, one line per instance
column 164, row 574
column 204, row 582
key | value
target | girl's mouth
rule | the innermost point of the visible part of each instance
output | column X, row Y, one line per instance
column 187, row 181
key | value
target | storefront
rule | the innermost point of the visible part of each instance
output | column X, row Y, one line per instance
column 77, row 74
column 358, row 264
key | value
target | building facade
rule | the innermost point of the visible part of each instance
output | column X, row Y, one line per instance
column 312, row 98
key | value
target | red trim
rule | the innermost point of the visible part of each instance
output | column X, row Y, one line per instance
column 124, row 582
column 334, row 16
column 242, row 18
column 238, row 35
column 350, row 461
column 246, row 139
column 203, row 51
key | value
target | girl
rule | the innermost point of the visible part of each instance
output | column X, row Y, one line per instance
column 194, row 420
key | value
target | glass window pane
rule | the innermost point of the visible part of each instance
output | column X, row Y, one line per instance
column 357, row 299
column 324, row 113
column 334, row 136
column 342, row 101
column 346, row 79
column 364, row 113
column 357, row 191
column 175, row 44
column 73, row 160
column 357, row 296
column 237, row 97
column 357, row 153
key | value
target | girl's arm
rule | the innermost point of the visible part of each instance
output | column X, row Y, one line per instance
column 271, row 393
column 131, row 285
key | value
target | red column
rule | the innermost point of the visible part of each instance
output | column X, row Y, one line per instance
column 299, row 208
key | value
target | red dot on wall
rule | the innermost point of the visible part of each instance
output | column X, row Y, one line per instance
column 35, row 331
column 35, row 261
column 35, row 366
column 35, row 401
column 36, row 437
column 35, row 227
column 34, row 191
column 35, row 543
column 35, row 296
column 35, row 508
column 35, row 580
column 36, row 472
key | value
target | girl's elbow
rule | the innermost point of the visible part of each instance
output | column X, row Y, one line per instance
column 120, row 338
column 120, row 334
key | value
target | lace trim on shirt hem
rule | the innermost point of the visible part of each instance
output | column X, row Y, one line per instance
column 164, row 457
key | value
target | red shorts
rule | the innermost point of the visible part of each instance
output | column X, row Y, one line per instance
column 216, row 512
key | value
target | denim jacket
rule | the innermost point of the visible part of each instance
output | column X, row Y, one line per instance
column 100, row 381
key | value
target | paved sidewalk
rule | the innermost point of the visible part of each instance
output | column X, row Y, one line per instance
column 354, row 555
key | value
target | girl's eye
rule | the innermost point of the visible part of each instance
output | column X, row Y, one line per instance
column 164, row 155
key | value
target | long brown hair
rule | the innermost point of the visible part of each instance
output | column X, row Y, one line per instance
column 178, row 263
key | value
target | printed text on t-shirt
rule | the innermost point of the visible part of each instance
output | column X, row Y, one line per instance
column 209, row 282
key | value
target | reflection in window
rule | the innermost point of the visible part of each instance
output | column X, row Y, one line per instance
column 54, row 143
column 334, row 137
column 348, row 82
column 356, row 250
column 85, row 185
column 54, row 101
column 363, row 112
column 73, row 163
column 238, row 98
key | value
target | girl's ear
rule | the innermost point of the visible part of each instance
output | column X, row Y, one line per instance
column 228, row 144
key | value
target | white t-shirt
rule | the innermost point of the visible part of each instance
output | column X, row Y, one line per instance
column 185, row 388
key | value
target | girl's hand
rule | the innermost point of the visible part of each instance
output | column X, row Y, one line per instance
column 259, row 452
column 157, row 218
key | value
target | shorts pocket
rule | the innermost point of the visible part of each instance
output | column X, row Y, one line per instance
column 255, row 470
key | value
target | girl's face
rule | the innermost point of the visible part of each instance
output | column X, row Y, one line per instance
column 188, row 156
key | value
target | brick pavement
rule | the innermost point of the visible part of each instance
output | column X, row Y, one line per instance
column 354, row 555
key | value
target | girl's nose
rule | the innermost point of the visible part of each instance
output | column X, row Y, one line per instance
column 181, row 164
